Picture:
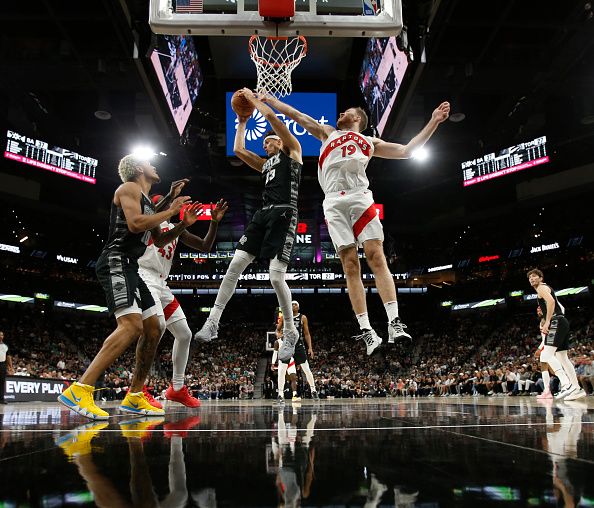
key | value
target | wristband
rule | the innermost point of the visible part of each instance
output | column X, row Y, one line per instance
column 215, row 221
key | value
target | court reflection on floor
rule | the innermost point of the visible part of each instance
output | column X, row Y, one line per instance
column 348, row 453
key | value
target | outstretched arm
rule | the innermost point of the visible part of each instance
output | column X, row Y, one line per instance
column 128, row 198
column 315, row 128
column 205, row 244
column 388, row 150
column 250, row 158
column 289, row 141
column 191, row 214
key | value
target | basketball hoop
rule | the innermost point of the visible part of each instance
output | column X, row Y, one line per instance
column 275, row 59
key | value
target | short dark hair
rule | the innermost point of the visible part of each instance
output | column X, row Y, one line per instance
column 270, row 133
column 535, row 271
column 364, row 118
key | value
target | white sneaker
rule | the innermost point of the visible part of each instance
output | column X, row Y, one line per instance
column 575, row 395
column 287, row 350
column 565, row 391
column 372, row 340
column 396, row 331
column 208, row 332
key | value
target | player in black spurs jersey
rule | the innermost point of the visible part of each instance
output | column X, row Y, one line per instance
column 556, row 330
column 271, row 232
column 300, row 356
column 132, row 223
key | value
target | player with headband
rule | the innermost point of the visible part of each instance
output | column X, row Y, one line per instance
column 271, row 232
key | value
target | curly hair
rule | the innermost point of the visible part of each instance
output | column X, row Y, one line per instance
column 128, row 167
column 535, row 271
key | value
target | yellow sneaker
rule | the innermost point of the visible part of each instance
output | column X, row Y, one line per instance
column 78, row 441
column 138, row 404
column 79, row 398
column 296, row 398
column 140, row 428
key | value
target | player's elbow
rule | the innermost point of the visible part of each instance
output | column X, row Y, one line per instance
column 135, row 227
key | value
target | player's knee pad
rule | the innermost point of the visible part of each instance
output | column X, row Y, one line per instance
column 277, row 271
column 548, row 353
column 181, row 331
column 238, row 264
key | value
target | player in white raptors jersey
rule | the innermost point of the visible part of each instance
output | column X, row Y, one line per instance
column 349, row 208
column 154, row 267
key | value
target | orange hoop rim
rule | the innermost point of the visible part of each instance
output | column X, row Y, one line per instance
column 263, row 61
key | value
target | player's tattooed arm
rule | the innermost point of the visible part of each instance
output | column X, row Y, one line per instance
column 252, row 159
column 191, row 214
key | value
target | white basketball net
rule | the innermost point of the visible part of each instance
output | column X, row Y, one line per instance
column 275, row 59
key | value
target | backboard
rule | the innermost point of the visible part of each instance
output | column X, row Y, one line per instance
column 331, row 18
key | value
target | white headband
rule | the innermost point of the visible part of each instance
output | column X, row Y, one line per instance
column 271, row 136
column 295, row 302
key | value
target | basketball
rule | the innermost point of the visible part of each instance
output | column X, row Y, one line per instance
column 241, row 105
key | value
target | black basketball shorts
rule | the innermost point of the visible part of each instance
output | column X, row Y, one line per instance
column 270, row 233
column 558, row 335
column 124, row 288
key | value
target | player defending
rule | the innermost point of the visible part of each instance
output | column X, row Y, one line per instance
column 155, row 265
column 556, row 329
column 349, row 208
column 271, row 232
column 300, row 356
column 133, row 222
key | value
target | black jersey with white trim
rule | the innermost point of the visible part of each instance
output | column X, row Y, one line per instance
column 281, row 176
column 559, row 309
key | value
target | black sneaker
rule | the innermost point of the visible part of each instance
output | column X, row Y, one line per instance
column 280, row 400
column 396, row 331
column 315, row 396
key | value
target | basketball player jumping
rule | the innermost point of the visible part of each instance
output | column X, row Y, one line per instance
column 556, row 329
column 132, row 223
column 349, row 208
column 271, row 232
column 154, row 267
column 300, row 356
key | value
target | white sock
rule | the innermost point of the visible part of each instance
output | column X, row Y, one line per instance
column 294, row 393
column 391, row 310
column 309, row 376
column 282, row 373
column 239, row 263
column 181, row 349
column 283, row 293
column 546, row 379
column 363, row 319
column 568, row 367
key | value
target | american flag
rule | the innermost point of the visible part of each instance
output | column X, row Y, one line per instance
column 188, row 6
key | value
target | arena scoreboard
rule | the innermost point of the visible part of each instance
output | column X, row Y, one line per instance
column 506, row 161
column 40, row 154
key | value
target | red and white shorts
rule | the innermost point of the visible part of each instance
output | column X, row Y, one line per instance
column 166, row 303
column 291, row 368
column 352, row 218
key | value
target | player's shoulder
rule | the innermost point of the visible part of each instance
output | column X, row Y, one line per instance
column 130, row 188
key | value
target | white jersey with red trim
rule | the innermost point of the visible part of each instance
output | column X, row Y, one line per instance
column 343, row 161
column 158, row 260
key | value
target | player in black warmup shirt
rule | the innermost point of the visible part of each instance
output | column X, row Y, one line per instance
column 271, row 232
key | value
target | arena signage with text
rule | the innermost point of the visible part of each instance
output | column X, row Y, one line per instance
column 543, row 247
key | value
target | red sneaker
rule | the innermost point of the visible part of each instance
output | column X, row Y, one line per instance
column 182, row 396
column 181, row 427
column 152, row 401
